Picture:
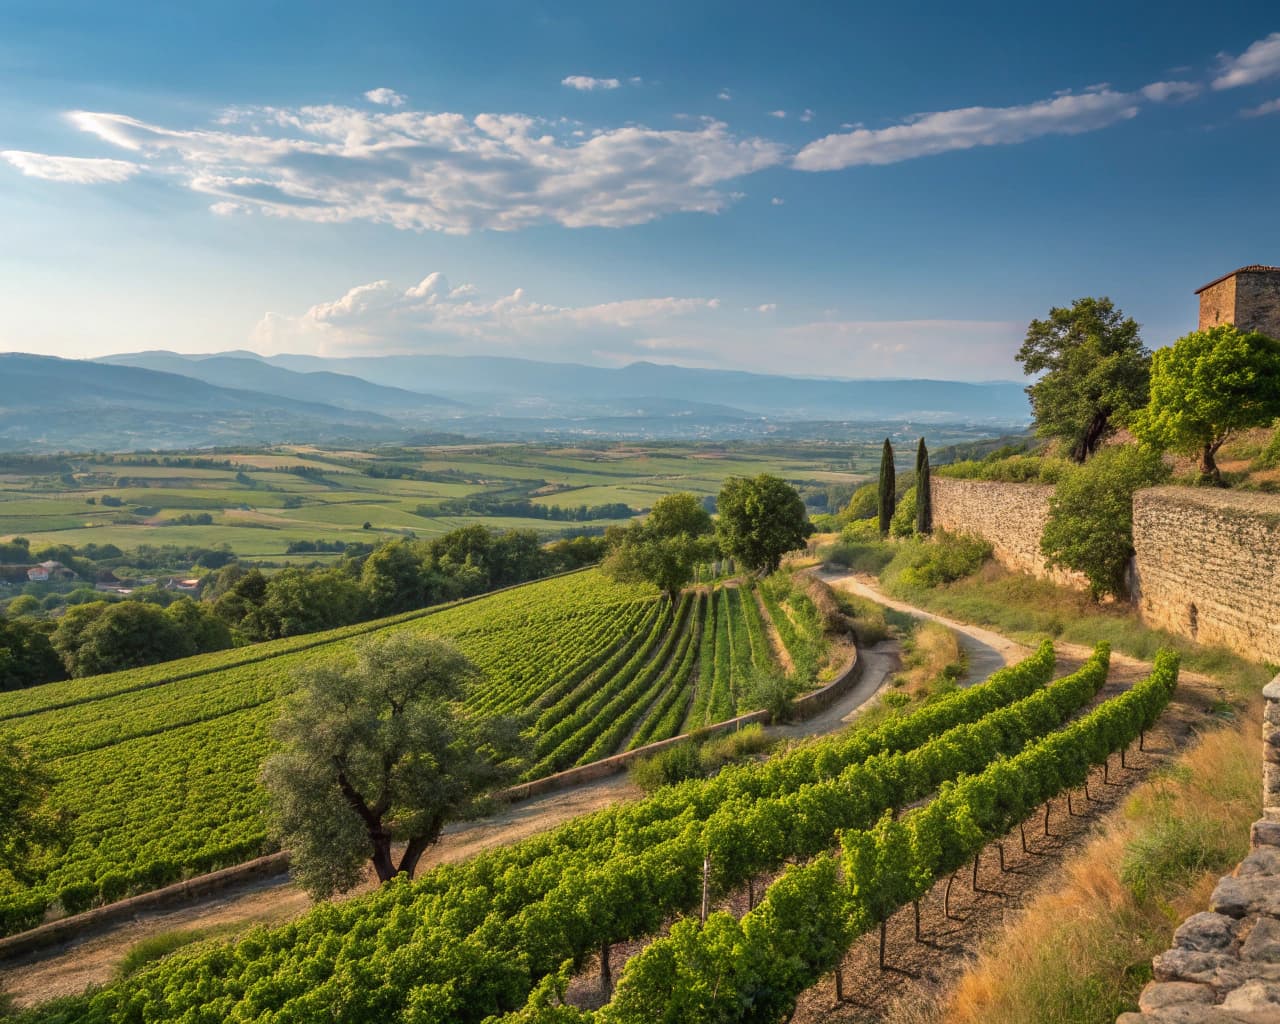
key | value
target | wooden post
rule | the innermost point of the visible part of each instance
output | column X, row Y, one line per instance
column 1022, row 831
column 839, row 986
column 1046, row 817
column 883, row 926
column 751, row 893
column 916, row 905
column 1142, row 738
column 1106, row 771
column 1122, row 764
column 606, row 971
column 946, row 897
column 1000, row 847
column 975, row 869
column 706, row 887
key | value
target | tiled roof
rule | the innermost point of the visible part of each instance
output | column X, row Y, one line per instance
column 1252, row 268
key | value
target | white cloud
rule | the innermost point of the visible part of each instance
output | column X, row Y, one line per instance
column 948, row 130
column 767, row 307
column 75, row 170
column 779, row 114
column 1262, row 109
column 442, row 171
column 1260, row 61
column 807, row 116
column 586, row 83
column 432, row 312
column 1161, row 92
column 385, row 97
column 724, row 94
column 777, row 201
column 636, row 80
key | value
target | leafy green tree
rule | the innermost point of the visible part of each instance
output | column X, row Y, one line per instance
column 1207, row 386
column 863, row 504
column 99, row 637
column 306, row 601
column 27, row 820
column 887, row 493
column 666, row 548
column 206, row 630
column 761, row 519
column 376, row 752
column 392, row 578
column 27, row 657
column 924, row 492
column 903, row 523
column 1090, row 526
column 1095, row 370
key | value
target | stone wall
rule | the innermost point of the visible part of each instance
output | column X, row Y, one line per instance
column 1218, row 304
column 1258, row 303
column 1010, row 517
column 1224, row 967
column 1207, row 566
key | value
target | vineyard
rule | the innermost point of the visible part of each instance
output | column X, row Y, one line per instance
column 868, row 819
column 159, row 765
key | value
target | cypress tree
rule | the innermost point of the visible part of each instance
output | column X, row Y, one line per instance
column 888, row 493
column 924, row 491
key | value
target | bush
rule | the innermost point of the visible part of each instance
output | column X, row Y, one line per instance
column 863, row 503
column 903, row 523
column 151, row 949
column 667, row 767
column 869, row 623
column 772, row 691
column 931, row 563
column 1014, row 469
column 732, row 746
column 1269, row 457
column 77, row 897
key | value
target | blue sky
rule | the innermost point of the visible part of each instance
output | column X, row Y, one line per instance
column 845, row 189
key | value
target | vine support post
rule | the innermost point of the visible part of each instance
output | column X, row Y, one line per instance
column 1106, row 771
column 976, row 858
column 606, row 971
column 946, row 897
column 751, row 894
column 839, row 975
column 1022, row 831
column 1000, row 847
column 916, row 905
column 706, row 887
column 1142, row 739
column 1122, row 764
column 1046, row 817
column 883, row 927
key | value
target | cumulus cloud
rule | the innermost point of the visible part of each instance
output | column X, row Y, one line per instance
column 587, row 83
column 441, row 171
column 1162, row 92
column 767, row 307
column 1259, row 62
column 777, row 201
column 434, row 312
column 385, row 97
column 1262, row 109
column 75, row 170
column 948, row 130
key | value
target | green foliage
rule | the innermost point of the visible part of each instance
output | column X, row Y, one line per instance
column 770, row 689
column 376, row 752
column 760, row 519
column 1095, row 373
column 1014, row 469
column 156, row 947
column 924, row 491
column 863, row 504
column 667, row 767
column 903, row 523
column 27, row 656
column 886, row 496
column 1090, row 526
column 100, row 637
column 1269, row 457
column 944, row 558
column 1207, row 386
column 28, row 822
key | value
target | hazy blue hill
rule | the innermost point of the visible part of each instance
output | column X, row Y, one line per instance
column 244, row 371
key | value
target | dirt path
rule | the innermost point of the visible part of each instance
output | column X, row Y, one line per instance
column 68, row 968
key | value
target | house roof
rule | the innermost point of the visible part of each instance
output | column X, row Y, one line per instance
column 1252, row 268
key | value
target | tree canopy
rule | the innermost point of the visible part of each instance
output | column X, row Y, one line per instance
column 886, row 495
column 1095, row 373
column 379, row 751
column 27, row 821
column 666, row 548
column 761, row 518
column 1207, row 386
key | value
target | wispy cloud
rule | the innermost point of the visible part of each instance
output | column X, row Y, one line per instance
column 1259, row 62
column 441, row 171
column 74, row 170
column 385, row 97
column 1163, row 92
column 724, row 94
column 779, row 114
column 968, row 127
column 1262, row 109
column 807, row 116
column 587, row 83
column 432, row 312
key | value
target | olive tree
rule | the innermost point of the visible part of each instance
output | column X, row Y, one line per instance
column 1207, row 386
column 666, row 548
column 375, row 753
column 1095, row 373
column 761, row 519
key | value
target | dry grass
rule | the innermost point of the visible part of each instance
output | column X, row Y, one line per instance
column 933, row 655
column 1080, row 953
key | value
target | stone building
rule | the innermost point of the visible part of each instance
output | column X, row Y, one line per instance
column 1248, row 297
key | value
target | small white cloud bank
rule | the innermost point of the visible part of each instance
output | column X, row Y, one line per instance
column 1258, row 63
column 385, row 97
column 588, row 83
column 1262, row 109
column 72, row 170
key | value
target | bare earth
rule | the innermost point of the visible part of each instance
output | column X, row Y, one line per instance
column 69, row 968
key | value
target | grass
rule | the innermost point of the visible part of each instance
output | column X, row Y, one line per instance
column 932, row 661
column 156, row 947
column 1081, row 953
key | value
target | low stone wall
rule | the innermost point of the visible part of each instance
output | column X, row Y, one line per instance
column 1224, row 967
column 1207, row 566
column 1010, row 517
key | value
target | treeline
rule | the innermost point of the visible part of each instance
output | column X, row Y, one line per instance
column 241, row 605
column 523, row 508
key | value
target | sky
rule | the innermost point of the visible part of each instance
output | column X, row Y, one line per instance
column 845, row 189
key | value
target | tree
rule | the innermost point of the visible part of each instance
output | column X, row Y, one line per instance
column 887, row 496
column 27, row 821
column 376, row 752
column 99, row 637
column 924, row 491
column 666, row 548
column 761, row 519
column 197, row 621
column 1090, row 526
column 1096, row 373
column 26, row 656
column 1207, row 386
column 863, row 504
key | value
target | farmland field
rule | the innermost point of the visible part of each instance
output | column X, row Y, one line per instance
column 159, row 765
column 262, row 501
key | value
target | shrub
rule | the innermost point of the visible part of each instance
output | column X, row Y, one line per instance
column 903, row 523
column 154, row 948
column 732, row 746
column 931, row 563
column 1015, row 469
column 667, row 767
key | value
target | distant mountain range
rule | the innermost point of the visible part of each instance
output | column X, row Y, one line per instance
column 167, row 400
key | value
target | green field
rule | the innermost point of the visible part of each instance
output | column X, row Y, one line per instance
column 159, row 765
column 332, row 494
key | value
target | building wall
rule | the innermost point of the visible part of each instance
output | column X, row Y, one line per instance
column 1218, row 304
column 1206, row 563
column 1010, row 517
column 1258, row 303
column 1207, row 566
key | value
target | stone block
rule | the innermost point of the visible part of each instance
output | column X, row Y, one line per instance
column 1255, row 997
column 1265, row 833
column 1264, row 861
column 1206, row 932
column 1160, row 995
column 1238, row 897
column 1263, row 941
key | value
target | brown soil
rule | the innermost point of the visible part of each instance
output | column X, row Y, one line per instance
column 780, row 653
